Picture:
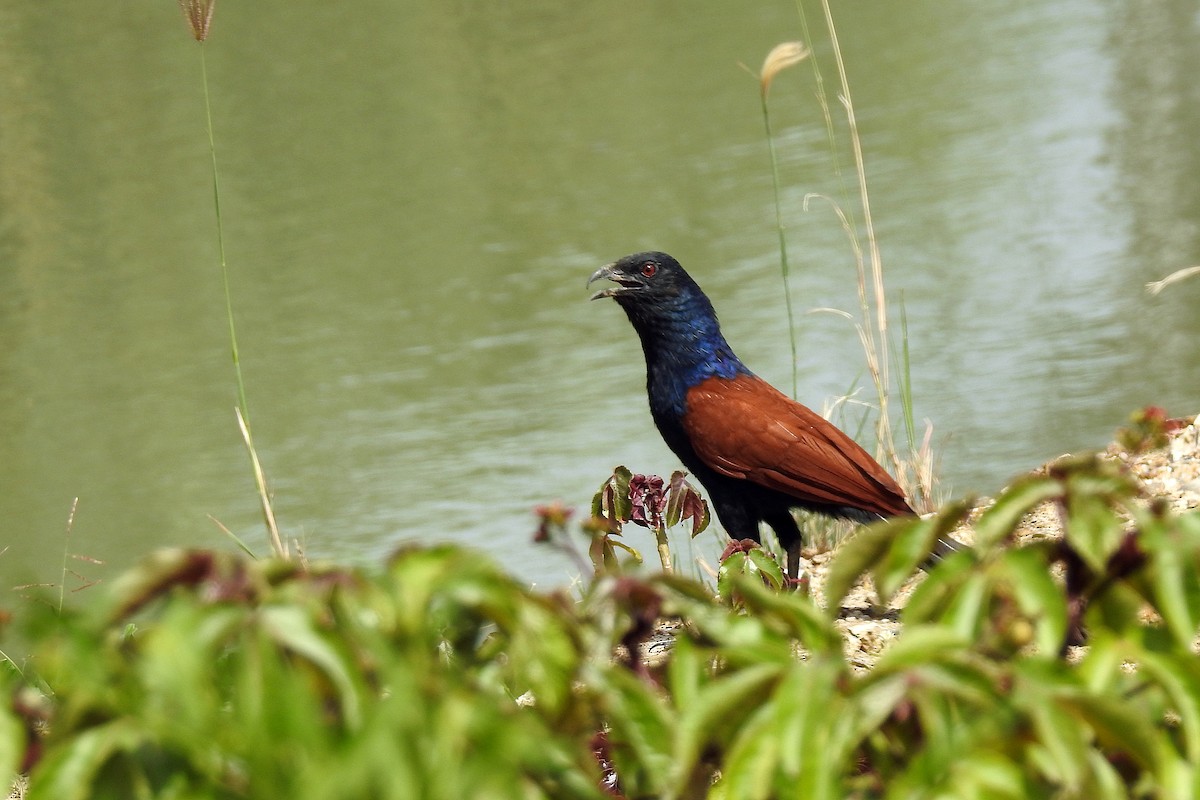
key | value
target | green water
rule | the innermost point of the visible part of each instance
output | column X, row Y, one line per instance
column 414, row 195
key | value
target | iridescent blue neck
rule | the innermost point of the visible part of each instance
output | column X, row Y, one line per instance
column 683, row 345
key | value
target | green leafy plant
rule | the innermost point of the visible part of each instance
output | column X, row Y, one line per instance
column 647, row 501
column 1024, row 668
column 212, row 676
column 1149, row 428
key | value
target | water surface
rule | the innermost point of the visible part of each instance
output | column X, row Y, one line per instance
column 414, row 195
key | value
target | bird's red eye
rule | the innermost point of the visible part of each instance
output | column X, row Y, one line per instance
column 649, row 268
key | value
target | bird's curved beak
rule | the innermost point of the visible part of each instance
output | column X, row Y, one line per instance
column 609, row 272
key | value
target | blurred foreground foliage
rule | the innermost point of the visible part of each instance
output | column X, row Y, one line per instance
column 205, row 674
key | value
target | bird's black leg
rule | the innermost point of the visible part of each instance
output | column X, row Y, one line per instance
column 738, row 521
column 788, row 533
column 741, row 521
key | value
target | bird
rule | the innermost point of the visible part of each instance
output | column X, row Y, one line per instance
column 757, row 452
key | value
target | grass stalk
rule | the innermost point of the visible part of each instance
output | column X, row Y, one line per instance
column 216, row 182
column 62, row 583
column 826, row 115
column 778, row 59
column 245, row 548
column 874, row 331
column 260, row 482
column 1154, row 287
column 914, row 469
column 199, row 16
column 783, row 257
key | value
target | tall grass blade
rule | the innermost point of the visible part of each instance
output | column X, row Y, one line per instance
column 260, row 482
column 823, row 102
column 245, row 548
column 212, row 149
column 781, row 57
column 873, row 329
column 62, row 584
column 199, row 15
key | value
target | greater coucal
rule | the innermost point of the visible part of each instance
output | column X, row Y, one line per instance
column 757, row 452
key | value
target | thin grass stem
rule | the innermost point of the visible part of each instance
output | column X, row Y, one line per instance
column 245, row 548
column 783, row 256
column 827, row 116
column 260, row 482
column 875, row 331
column 62, row 583
column 778, row 59
column 243, row 407
column 212, row 149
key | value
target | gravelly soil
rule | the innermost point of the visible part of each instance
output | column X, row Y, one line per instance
column 1171, row 473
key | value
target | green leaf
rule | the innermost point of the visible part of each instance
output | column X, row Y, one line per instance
column 290, row 627
column 766, row 567
column 1065, row 741
column 1100, row 670
column 1179, row 677
column 755, row 563
column 1118, row 727
column 1093, row 529
column 1173, row 576
column 791, row 746
column 894, row 549
column 686, row 671
column 717, row 713
column 751, row 763
column 798, row 616
column 641, row 730
column 611, row 502
column 986, row 775
column 69, row 769
column 12, row 743
column 911, row 548
column 1108, row 784
column 684, row 503
column 1040, row 598
column 919, row 646
column 874, row 701
column 1000, row 520
column 818, row 739
column 932, row 596
column 735, row 564
column 866, row 548
column 968, row 608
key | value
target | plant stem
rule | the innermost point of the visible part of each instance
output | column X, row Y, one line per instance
column 212, row 149
column 823, row 102
column 664, row 548
column 260, row 482
column 243, row 410
column 62, row 583
column 783, row 257
column 874, row 332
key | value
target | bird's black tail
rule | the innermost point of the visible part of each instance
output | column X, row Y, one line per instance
column 946, row 547
column 942, row 549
